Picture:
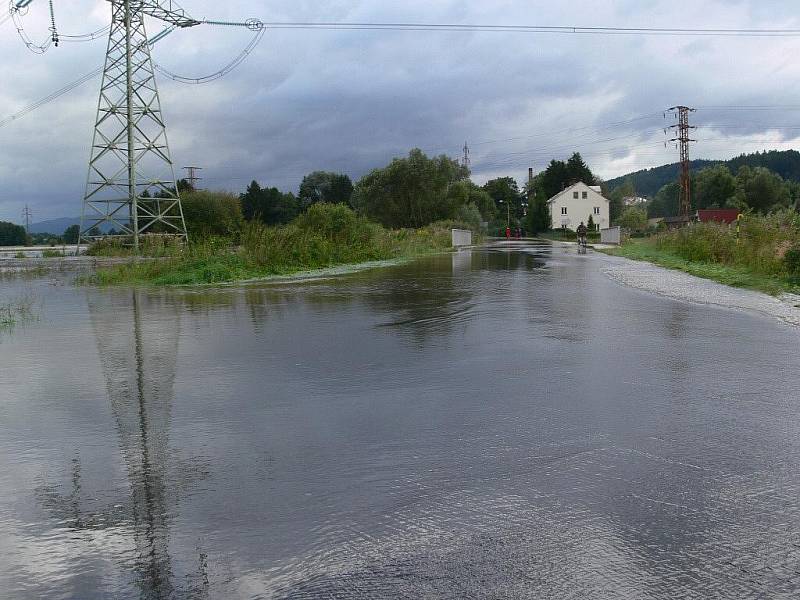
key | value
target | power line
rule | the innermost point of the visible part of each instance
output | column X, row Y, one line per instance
column 752, row 107
column 557, row 29
column 240, row 58
column 50, row 97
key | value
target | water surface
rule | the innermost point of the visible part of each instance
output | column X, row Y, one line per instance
column 498, row 423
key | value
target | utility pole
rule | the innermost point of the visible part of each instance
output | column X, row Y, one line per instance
column 465, row 160
column 26, row 212
column 682, row 129
column 191, row 176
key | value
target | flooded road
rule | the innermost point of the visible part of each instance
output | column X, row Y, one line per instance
column 500, row 423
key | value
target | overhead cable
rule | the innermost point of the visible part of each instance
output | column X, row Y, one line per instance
column 556, row 29
column 259, row 33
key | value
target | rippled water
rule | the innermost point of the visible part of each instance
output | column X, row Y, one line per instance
column 503, row 423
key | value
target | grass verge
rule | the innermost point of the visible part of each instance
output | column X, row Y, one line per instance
column 733, row 275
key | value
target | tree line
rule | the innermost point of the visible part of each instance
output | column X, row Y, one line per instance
column 648, row 182
column 748, row 188
column 410, row 192
column 416, row 190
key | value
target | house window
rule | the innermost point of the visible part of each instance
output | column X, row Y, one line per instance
column 597, row 210
column 575, row 195
column 584, row 195
column 563, row 210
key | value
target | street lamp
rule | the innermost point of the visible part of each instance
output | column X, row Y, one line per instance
column 508, row 213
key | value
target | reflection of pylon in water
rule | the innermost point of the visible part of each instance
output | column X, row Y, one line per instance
column 138, row 345
column 137, row 341
column 138, row 357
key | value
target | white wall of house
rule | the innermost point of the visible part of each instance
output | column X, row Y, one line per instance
column 576, row 203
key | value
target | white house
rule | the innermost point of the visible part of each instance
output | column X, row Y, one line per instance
column 575, row 204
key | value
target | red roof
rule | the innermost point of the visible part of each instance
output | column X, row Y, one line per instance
column 720, row 215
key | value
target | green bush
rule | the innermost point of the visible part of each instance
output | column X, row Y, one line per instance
column 791, row 261
column 152, row 245
column 212, row 214
column 470, row 215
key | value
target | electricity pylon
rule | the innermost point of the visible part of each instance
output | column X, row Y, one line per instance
column 131, row 183
column 682, row 128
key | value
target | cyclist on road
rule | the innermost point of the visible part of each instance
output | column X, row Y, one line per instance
column 581, row 231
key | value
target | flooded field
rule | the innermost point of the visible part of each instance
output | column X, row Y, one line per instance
column 508, row 422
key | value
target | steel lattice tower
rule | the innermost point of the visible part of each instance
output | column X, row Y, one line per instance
column 682, row 128
column 131, row 182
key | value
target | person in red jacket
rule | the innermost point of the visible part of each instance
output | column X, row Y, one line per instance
column 508, row 233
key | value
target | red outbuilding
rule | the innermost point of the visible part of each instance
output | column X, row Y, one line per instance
column 719, row 215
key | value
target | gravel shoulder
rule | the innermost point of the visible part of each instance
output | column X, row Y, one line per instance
column 682, row 286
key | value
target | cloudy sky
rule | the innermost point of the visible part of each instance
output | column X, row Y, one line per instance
column 351, row 100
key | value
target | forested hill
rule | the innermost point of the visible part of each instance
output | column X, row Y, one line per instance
column 647, row 182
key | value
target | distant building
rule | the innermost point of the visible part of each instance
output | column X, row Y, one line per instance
column 634, row 201
column 575, row 204
column 676, row 222
column 718, row 215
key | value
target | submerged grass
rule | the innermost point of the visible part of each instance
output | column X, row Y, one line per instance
column 16, row 311
column 324, row 236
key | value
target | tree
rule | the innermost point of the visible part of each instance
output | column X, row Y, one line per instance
column 185, row 186
column 590, row 224
column 578, row 171
column 616, row 199
column 12, row 235
column 269, row 205
column 633, row 218
column 470, row 215
column 538, row 218
column 412, row 191
column 71, row 234
column 211, row 213
column 665, row 204
column 713, row 187
column 560, row 175
column 554, row 178
column 507, row 198
column 324, row 186
column 481, row 199
column 760, row 189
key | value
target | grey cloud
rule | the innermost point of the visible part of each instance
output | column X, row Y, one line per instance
column 351, row 100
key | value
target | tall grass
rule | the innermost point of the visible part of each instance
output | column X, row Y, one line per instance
column 324, row 236
column 765, row 254
column 761, row 245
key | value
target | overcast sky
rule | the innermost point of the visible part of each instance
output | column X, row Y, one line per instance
column 349, row 101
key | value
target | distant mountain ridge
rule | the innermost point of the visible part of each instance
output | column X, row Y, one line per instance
column 58, row 226
column 54, row 226
column 647, row 182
